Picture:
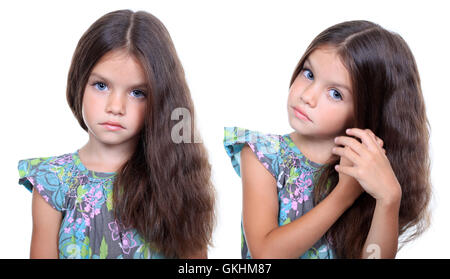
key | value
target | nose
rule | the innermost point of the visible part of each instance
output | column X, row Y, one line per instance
column 116, row 104
column 310, row 95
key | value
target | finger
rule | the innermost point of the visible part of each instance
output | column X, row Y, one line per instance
column 347, row 153
column 380, row 142
column 368, row 131
column 347, row 170
column 375, row 138
column 365, row 137
column 351, row 143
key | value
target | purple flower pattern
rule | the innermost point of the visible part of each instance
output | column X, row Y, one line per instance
column 293, row 172
column 84, row 197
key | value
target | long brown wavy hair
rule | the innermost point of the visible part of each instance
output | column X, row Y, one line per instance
column 164, row 190
column 387, row 100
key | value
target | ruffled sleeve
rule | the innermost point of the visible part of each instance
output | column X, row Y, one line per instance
column 265, row 146
column 42, row 174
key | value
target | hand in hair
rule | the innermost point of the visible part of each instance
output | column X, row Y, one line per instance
column 352, row 188
column 349, row 184
column 366, row 162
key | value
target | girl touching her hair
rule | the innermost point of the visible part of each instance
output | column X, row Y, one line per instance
column 353, row 178
column 130, row 191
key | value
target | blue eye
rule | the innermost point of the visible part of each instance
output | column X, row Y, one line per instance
column 137, row 94
column 308, row 74
column 334, row 94
column 100, row 86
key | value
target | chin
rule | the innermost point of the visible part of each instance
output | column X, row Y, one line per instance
column 111, row 139
column 310, row 131
column 299, row 126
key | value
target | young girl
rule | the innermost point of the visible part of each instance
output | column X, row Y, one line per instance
column 354, row 175
column 131, row 191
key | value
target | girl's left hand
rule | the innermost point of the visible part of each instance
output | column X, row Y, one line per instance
column 371, row 168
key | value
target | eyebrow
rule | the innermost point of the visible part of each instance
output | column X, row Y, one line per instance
column 332, row 82
column 96, row 75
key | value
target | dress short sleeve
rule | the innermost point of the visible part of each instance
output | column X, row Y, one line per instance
column 44, row 175
column 265, row 146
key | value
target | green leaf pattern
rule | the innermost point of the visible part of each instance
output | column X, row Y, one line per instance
column 293, row 172
column 88, row 228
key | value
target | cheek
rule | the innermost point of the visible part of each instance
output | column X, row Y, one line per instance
column 291, row 96
column 138, row 115
column 86, row 108
column 295, row 91
column 90, row 106
column 337, row 119
column 349, row 116
column 350, row 120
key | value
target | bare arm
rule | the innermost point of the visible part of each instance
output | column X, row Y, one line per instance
column 46, row 225
column 382, row 240
column 264, row 237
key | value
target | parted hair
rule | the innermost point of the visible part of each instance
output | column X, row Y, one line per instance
column 164, row 190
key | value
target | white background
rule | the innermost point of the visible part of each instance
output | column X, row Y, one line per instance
column 238, row 57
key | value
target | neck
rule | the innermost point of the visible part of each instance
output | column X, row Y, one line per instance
column 315, row 149
column 101, row 157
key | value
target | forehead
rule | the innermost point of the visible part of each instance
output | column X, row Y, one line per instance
column 327, row 65
column 121, row 66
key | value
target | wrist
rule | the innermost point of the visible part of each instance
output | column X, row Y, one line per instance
column 393, row 199
column 347, row 193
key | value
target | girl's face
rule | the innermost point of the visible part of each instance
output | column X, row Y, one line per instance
column 320, row 102
column 114, row 99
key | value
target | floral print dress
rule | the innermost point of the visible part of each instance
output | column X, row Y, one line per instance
column 293, row 173
column 84, row 197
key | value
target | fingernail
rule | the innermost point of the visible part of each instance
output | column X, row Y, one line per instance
column 347, row 131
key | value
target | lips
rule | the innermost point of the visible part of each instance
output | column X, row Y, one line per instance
column 299, row 113
column 112, row 125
